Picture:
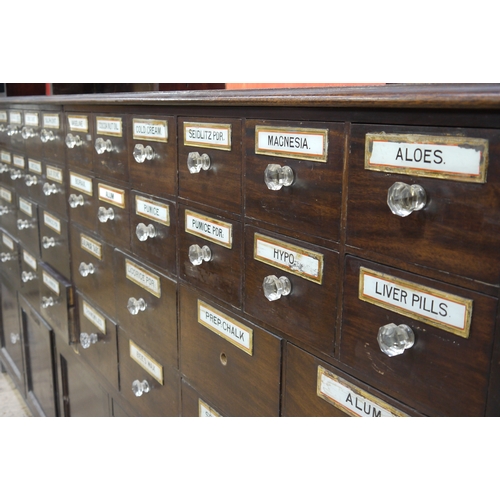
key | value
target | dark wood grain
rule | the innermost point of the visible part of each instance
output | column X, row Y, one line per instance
column 80, row 156
column 85, row 215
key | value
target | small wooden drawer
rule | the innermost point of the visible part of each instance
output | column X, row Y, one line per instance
column 8, row 209
column 9, row 259
column 5, row 166
column 18, row 172
column 79, row 140
column 16, row 123
column 28, row 231
column 54, row 189
column 52, row 136
column 194, row 406
column 33, row 180
column 30, row 288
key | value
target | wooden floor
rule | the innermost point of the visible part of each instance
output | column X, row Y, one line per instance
column 11, row 402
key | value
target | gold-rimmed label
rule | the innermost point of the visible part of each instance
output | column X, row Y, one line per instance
column 26, row 207
column 91, row 246
column 53, row 222
column 6, row 157
column 108, row 126
column 208, row 135
column 209, row 229
column 18, row 161
column 30, row 260
column 31, row 119
column 8, row 242
column 111, row 195
column 150, row 130
column 143, row 359
column 226, row 327
column 351, row 399
column 428, row 305
column 154, row 210
column 15, row 118
column 51, row 282
column 205, row 410
column 51, row 121
column 296, row 260
column 94, row 317
column 81, row 183
column 288, row 142
column 54, row 174
column 34, row 166
column 3, row 116
column 458, row 158
column 78, row 123
column 142, row 277
column 5, row 194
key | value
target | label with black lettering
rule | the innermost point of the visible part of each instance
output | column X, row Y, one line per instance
column 5, row 194
column 34, row 166
column 208, row 135
column 143, row 278
column 144, row 360
column 205, row 410
column 159, row 212
column 51, row 121
column 112, row 195
column 54, row 174
column 3, row 116
column 6, row 157
column 150, row 130
column 233, row 331
column 53, row 222
column 109, row 126
column 78, row 123
column 296, row 260
column 91, row 246
column 94, row 317
column 351, row 399
column 31, row 119
column 209, row 229
column 460, row 158
column 30, row 260
column 433, row 307
column 81, row 183
column 26, row 207
column 50, row 282
column 7, row 241
column 287, row 142
column 19, row 161
column 15, row 117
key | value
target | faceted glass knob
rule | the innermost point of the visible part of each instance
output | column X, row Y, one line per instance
column 75, row 200
column 140, row 388
column 86, row 339
column 86, row 269
column 23, row 224
column 27, row 132
column 73, row 140
column 197, row 255
column 46, row 135
column 275, row 287
column 49, row 189
column 5, row 257
column 105, row 214
column 31, row 180
column 14, row 338
column 142, row 153
column 4, row 210
column 15, row 174
column 197, row 162
column 27, row 276
column 12, row 130
column 393, row 339
column 404, row 199
column 277, row 176
column 48, row 302
column 48, row 242
column 103, row 145
column 135, row 306
column 3, row 168
column 144, row 232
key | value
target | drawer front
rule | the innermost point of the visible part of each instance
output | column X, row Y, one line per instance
column 97, row 339
column 141, row 365
column 33, row 179
column 308, row 159
column 8, row 209
column 193, row 405
column 5, row 166
column 28, row 231
column 238, row 368
column 30, row 132
column 153, row 227
column 308, row 312
column 52, row 137
column 30, row 288
column 18, row 171
column 152, row 153
column 54, row 241
column 220, row 139
column 9, row 259
column 53, row 189
column 92, row 268
column 222, row 271
column 83, row 199
column 16, row 123
column 446, row 371
column 316, row 389
column 110, row 147
column 79, row 140
column 457, row 231
column 146, row 306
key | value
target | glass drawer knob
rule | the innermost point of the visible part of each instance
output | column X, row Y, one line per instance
column 275, row 287
column 86, row 339
column 23, row 224
column 15, row 174
column 31, row 180
column 197, row 255
column 140, row 388
column 27, row 276
column 73, row 140
column 49, row 189
column 12, row 130
column 393, row 339
column 48, row 302
column 27, row 132
column 3, row 168
column 5, row 257
column 86, row 269
column 404, row 199
column 4, row 210
column 135, row 306
column 75, row 200
column 103, row 145
column 277, row 176
column 48, row 242
column 197, row 162
column 105, row 214
column 144, row 232
column 142, row 153
column 47, row 135
column 14, row 338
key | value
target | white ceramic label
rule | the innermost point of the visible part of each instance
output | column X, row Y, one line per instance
column 152, row 210
column 19, row 161
column 210, row 135
column 3, row 116
column 209, row 229
column 94, row 317
column 54, row 174
column 83, row 184
column 52, row 222
column 31, row 119
column 30, row 260
column 109, row 126
column 146, row 361
column 91, row 246
column 34, row 166
column 51, row 121
column 112, row 195
column 26, row 207
column 15, row 117
column 6, row 194
column 6, row 157
column 78, row 123
column 205, row 410
column 51, row 282
column 7, row 241
column 150, row 130
column 143, row 278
